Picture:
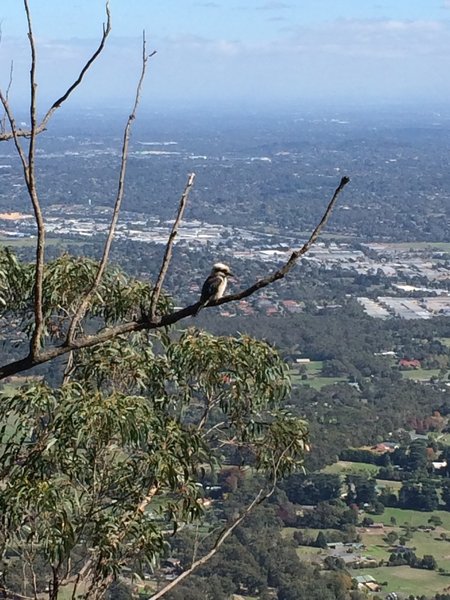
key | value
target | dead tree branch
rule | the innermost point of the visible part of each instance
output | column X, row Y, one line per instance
column 260, row 497
column 284, row 270
column 84, row 304
column 87, row 341
column 169, row 246
column 32, row 192
column 8, row 135
column 28, row 165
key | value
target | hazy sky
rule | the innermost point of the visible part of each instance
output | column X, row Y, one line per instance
column 233, row 52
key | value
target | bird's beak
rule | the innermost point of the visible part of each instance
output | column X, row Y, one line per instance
column 230, row 274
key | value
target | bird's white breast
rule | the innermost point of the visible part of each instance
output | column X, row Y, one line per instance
column 221, row 288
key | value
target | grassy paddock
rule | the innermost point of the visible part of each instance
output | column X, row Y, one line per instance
column 443, row 437
column 30, row 242
column 441, row 246
column 393, row 485
column 346, row 467
column 420, row 374
column 310, row 554
column 405, row 580
column 423, row 542
column 414, row 518
column 313, row 372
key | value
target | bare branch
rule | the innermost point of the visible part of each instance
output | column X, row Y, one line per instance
column 76, row 83
column 87, row 341
column 147, row 499
column 169, row 246
column 28, row 165
column 14, row 134
column 83, row 306
column 210, row 403
column 32, row 192
column 8, row 89
column 284, row 270
column 6, row 135
column 69, row 368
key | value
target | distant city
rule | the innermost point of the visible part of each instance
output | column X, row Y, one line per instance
column 262, row 185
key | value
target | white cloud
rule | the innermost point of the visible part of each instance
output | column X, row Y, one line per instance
column 353, row 58
column 381, row 39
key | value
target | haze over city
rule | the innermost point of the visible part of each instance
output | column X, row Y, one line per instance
column 251, row 54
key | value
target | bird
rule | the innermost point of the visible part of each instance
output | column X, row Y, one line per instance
column 215, row 285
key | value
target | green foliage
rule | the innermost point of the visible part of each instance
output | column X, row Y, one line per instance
column 312, row 488
column 66, row 280
column 420, row 495
column 107, row 466
column 15, row 282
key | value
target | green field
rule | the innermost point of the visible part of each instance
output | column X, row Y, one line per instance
column 404, row 579
column 346, row 467
column 420, row 374
column 444, row 438
column 414, row 518
column 424, row 542
column 386, row 483
column 441, row 246
column 313, row 371
column 314, row 378
column 401, row 579
column 31, row 242
column 407, row 581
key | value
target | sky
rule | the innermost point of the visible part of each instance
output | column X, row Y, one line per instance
column 231, row 53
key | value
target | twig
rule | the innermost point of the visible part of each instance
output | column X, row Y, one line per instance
column 169, row 246
column 87, row 341
column 43, row 124
column 75, row 586
column 69, row 368
column 83, row 306
column 214, row 427
column 8, row 89
column 148, row 498
column 210, row 403
column 14, row 134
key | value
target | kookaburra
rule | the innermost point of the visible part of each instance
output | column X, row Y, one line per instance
column 215, row 285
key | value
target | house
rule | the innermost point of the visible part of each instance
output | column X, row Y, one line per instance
column 384, row 447
column 406, row 363
column 367, row 583
column 439, row 464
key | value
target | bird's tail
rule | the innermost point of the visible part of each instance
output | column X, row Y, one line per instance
column 199, row 308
